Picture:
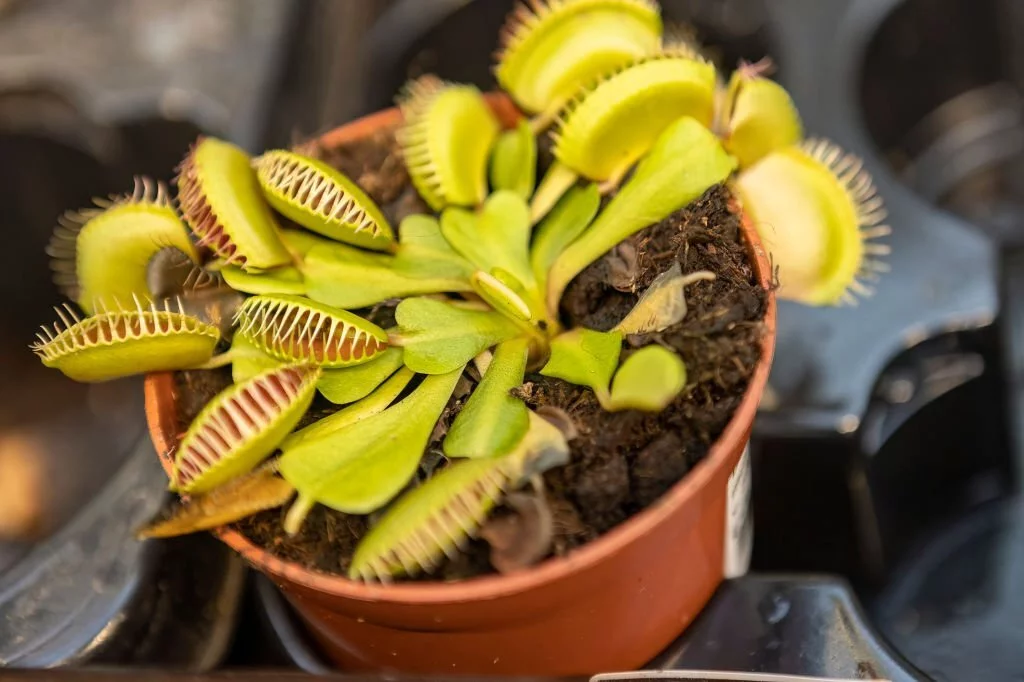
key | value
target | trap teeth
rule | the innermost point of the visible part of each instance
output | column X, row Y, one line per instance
column 818, row 214
column 321, row 199
column 446, row 139
column 293, row 328
column 129, row 230
column 241, row 426
column 434, row 521
column 123, row 342
column 550, row 48
column 224, row 208
column 609, row 125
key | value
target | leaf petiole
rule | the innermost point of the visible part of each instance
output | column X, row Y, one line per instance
column 297, row 513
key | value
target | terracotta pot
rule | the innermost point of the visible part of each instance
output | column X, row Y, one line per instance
column 611, row 605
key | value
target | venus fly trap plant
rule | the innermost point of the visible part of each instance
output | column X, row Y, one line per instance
column 419, row 336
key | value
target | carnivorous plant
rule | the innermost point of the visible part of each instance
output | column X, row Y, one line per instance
column 640, row 128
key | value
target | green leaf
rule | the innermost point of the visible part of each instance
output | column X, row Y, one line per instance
column 303, row 241
column 376, row 402
column 562, row 226
column 500, row 296
column 348, row 278
column 438, row 517
column 557, row 181
column 492, row 421
column 649, row 380
column 248, row 360
column 423, row 231
column 424, row 252
column 131, row 231
column 439, row 337
column 615, row 123
column 349, row 384
column 286, row 280
column 685, row 161
column 360, row 467
column 663, row 304
column 514, row 161
column 498, row 236
column 321, row 198
column 585, row 357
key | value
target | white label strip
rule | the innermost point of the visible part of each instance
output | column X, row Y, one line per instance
column 720, row 675
column 739, row 519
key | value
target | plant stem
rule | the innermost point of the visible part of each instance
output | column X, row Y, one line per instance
column 483, row 361
column 531, row 330
column 557, row 181
column 297, row 514
column 541, row 122
column 612, row 183
column 227, row 358
column 297, row 258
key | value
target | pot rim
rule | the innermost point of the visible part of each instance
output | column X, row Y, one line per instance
column 490, row 587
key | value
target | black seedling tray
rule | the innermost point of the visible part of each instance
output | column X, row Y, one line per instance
column 885, row 425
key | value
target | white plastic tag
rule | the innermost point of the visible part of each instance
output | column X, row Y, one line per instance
column 739, row 519
column 711, row 676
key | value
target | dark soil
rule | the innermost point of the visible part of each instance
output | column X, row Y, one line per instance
column 621, row 462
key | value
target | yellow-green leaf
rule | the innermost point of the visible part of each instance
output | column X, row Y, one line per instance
column 378, row 401
column 615, row 123
column 438, row 517
column 359, row 468
column 500, row 296
column 348, row 278
column 241, row 426
column 285, row 280
column 446, row 137
column 497, row 236
column 566, row 221
column 816, row 210
column 552, row 48
column 685, row 161
column 586, row 358
column 438, row 337
column 514, row 161
column 248, row 360
column 492, row 421
column 424, row 252
column 760, row 117
column 349, row 384
column 649, row 380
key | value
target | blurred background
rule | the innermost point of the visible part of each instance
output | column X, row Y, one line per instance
column 888, row 452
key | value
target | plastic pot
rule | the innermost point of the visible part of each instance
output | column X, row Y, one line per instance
column 611, row 605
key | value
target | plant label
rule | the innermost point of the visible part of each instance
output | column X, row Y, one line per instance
column 709, row 676
column 739, row 519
